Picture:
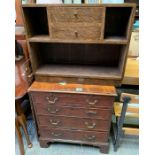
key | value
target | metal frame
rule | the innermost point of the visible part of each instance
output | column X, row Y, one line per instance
column 117, row 128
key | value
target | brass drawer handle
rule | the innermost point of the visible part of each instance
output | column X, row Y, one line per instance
column 50, row 100
column 56, row 134
column 90, row 126
column 91, row 112
column 76, row 34
column 92, row 103
column 53, row 111
column 91, row 138
column 53, row 122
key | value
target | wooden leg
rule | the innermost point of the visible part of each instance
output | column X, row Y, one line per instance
column 43, row 143
column 104, row 149
column 19, row 136
column 19, row 110
column 22, row 121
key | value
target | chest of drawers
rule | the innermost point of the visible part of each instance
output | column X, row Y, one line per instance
column 75, row 23
column 72, row 113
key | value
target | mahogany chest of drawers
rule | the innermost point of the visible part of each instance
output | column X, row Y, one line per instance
column 72, row 113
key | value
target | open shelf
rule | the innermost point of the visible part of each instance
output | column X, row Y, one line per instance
column 47, row 39
column 36, row 20
column 40, row 38
column 77, row 60
column 86, row 71
column 80, row 51
column 115, row 40
column 116, row 23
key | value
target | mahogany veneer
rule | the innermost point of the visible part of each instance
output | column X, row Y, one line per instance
column 72, row 113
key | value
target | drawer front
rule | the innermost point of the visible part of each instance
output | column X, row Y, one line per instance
column 74, row 100
column 87, row 136
column 76, row 32
column 74, row 123
column 104, row 114
column 76, row 14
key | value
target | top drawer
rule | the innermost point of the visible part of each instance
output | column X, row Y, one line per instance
column 72, row 100
column 76, row 14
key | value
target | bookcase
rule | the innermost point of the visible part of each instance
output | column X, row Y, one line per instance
column 79, row 43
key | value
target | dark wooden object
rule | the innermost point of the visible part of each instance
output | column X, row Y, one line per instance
column 72, row 113
column 23, row 79
column 19, row 19
column 22, row 83
column 20, row 121
column 79, row 43
column 121, row 111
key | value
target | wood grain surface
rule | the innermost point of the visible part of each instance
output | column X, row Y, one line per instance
column 72, row 88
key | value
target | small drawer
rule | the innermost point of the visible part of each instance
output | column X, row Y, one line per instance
column 104, row 114
column 84, row 136
column 74, row 123
column 75, row 14
column 76, row 32
column 73, row 100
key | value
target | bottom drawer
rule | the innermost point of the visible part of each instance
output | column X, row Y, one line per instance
column 85, row 136
column 76, row 31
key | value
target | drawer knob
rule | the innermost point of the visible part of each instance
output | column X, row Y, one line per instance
column 76, row 34
column 53, row 111
column 90, row 126
column 91, row 138
column 56, row 134
column 75, row 14
column 92, row 103
column 54, row 122
column 91, row 112
column 51, row 99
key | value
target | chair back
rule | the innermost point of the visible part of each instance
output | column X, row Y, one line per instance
column 133, row 104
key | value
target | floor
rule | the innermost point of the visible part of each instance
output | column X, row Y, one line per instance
column 129, row 146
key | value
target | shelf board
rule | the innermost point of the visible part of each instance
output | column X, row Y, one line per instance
column 116, row 40
column 47, row 39
column 83, row 4
column 39, row 38
column 84, row 71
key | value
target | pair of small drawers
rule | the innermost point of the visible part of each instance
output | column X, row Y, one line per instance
column 75, row 23
column 73, row 116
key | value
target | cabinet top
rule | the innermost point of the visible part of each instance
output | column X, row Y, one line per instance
column 80, row 5
column 63, row 87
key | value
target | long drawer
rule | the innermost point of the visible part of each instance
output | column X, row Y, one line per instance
column 76, row 32
column 75, row 14
column 74, row 123
column 74, row 100
column 85, row 136
column 104, row 114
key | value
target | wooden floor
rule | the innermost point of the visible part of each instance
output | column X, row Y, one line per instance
column 129, row 146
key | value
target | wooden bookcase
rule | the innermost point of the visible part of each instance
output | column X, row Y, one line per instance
column 79, row 43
